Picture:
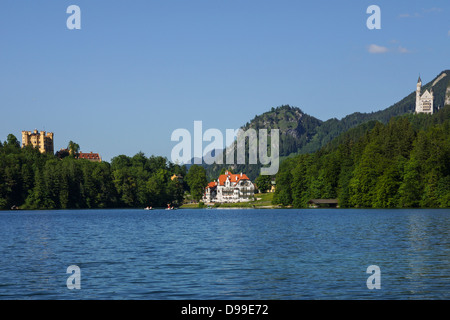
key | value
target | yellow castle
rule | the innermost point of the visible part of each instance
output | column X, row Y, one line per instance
column 41, row 140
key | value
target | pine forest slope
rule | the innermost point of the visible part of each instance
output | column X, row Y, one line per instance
column 301, row 133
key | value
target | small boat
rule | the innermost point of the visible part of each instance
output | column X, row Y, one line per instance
column 148, row 208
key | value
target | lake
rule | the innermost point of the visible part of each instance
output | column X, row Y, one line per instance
column 225, row 254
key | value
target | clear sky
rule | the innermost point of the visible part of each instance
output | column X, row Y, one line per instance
column 138, row 70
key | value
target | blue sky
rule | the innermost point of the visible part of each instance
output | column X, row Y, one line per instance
column 138, row 70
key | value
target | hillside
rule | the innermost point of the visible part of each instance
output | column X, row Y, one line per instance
column 333, row 127
column 401, row 164
column 296, row 130
column 301, row 133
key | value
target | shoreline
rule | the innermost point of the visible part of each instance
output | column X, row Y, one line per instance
column 227, row 206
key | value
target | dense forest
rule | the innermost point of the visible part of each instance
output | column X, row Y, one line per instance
column 403, row 163
column 301, row 133
column 31, row 180
column 385, row 159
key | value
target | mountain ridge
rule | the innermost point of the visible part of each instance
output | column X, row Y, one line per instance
column 303, row 133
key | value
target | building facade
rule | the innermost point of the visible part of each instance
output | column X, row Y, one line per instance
column 41, row 140
column 230, row 188
column 424, row 102
column 95, row 157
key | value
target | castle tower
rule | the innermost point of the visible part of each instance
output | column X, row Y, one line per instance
column 418, row 89
column 424, row 102
column 40, row 140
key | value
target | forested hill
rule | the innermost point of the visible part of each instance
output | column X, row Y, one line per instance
column 301, row 133
column 404, row 163
column 333, row 127
column 296, row 130
column 32, row 180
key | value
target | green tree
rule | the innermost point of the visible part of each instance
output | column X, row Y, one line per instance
column 264, row 183
column 12, row 142
column 74, row 148
column 196, row 180
column 299, row 185
column 283, row 191
column 387, row 187
column 411, row 188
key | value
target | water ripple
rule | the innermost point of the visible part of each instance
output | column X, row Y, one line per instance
column 225, row 254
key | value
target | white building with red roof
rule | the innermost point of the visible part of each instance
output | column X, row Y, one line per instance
column 230, row 188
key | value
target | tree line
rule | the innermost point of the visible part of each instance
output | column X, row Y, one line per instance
column 31, row 180
column 401, row 164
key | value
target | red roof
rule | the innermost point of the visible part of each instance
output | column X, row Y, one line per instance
column 89, row 156
column 212, row 184
column 232, row 177
column 223, row 177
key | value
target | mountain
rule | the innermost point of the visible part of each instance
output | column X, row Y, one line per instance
column 301, row 133
column 296, row 130
column 333, row 127
column 404, row 163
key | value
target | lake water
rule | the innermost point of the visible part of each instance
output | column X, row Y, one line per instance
column 225, row 254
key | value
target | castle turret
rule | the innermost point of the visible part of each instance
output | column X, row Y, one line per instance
column 424, row 102
column 418, row 89
column 39, row 140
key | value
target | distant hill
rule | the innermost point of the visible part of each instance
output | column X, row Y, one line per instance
column 302, row 133
column 333, row 127
column 404, row 163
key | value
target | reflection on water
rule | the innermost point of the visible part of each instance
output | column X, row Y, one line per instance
column 225, row 254
column 428, row 253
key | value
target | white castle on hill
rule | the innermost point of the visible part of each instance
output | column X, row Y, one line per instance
column 424, row 102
